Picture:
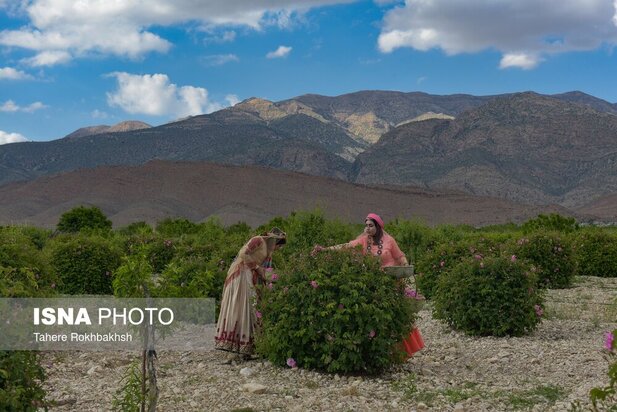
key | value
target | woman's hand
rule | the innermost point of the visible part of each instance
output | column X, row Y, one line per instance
column 317, row 249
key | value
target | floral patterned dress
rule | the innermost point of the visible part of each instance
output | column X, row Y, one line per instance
column 237, row 322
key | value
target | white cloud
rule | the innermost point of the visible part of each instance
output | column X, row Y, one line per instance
column 521, row 60
column 10, row 73
column 524, row 31
column 98, row 114
column 11, row 138
column 11, row 107
column 282, row 51
column 155, row 95
column 48, row 58
column 226, row 36
column 232, row 99
column 123, row 27
column 219, row 59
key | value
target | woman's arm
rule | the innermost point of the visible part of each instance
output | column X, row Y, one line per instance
column 351, row 244
column 398, row 255
column 319, row 248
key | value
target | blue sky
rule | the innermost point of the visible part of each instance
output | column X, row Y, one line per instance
column 67, row 64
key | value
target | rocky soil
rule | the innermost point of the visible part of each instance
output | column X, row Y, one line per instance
column 546, row 371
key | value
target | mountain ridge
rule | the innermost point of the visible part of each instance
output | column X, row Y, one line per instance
column 526, row 147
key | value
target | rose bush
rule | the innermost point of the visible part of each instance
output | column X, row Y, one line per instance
column 337, row 312
column 494, row 296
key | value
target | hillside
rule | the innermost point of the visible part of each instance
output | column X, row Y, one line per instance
column 524, row 147
column 198, row 190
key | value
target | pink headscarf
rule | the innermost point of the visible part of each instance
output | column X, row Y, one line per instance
column 376, row 218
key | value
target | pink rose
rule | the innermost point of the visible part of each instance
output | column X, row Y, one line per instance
column 291, row 362
column 258, row 314
column 410, row 293
column 608, row 343
column 314, row 284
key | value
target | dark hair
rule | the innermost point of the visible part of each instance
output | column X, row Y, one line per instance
column 378, row 231
column 281, row 241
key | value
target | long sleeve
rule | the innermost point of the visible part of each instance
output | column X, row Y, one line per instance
column 254, row 252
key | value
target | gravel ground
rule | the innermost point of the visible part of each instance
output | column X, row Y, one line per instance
column 545, row 371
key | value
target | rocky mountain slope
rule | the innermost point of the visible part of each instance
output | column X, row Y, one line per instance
column 524, row 147
column 125, row 126
column 227, row 136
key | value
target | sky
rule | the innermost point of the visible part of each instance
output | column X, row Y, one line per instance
column 67, row 64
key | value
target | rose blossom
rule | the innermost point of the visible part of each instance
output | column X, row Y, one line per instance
column 410, row 293
column 608, row 343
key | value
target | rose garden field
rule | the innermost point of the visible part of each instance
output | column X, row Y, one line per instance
column 517, row 317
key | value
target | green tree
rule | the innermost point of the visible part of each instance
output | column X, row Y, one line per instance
column 83, row 217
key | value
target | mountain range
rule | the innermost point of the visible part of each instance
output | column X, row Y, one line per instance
column 525, row 147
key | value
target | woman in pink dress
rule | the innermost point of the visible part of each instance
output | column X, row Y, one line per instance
column 376, row 241
column 237, row 322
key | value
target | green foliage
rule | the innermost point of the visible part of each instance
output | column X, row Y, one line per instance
column 552, row 222
column 412, row 237
column 605, row 398
column 132, row 276
column 176, row 227
column 307, row 229
column 17, row 249
column 492, row 296
column 239, row 228
column 129, row 398
column 21, row 376
column 84, row 264
column 38, row 237
column 596, row 253
column 24, row 269
column 337, row 312
column 137, row 228
column 552, row 255
column 82, row 217
column 446, row 254
column 159, row 252
column 21, row 283
column 189, row 278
